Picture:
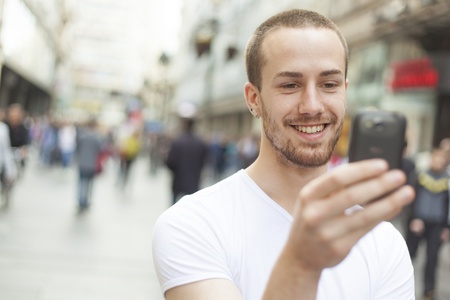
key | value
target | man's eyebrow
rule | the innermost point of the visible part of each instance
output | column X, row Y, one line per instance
column 289, row 74
column 330, row 72
column 299, row 74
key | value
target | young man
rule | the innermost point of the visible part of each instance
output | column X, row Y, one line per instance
column 284, row 228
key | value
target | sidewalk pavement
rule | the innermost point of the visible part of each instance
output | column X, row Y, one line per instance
column 443, row 272
column 49, row 252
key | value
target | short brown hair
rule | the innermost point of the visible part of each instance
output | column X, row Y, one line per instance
column 296, row 18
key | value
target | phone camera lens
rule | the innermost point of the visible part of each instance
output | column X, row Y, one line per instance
column 379, row 127
column 369, row 124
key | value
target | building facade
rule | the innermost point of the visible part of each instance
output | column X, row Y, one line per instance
column 398, row 60
column 29, row 53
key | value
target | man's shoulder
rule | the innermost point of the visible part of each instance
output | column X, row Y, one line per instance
column 384, row 239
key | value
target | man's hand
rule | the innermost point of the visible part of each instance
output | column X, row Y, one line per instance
column 324, row 230
column 323, row 233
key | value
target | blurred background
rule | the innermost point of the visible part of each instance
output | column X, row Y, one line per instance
column 149, row 61
column 146, row 65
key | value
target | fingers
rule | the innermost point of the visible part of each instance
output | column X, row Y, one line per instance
column 357, row 194
column 384, row 209
column 352, row 227
column 394, row 202
column 343, row 176
column 367, row 191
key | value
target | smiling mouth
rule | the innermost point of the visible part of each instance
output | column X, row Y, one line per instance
column 310, row 129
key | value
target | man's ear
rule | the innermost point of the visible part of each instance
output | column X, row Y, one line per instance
column 346, row 84
column 251, row 94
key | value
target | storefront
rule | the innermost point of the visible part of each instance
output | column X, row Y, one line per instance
column 28, row 59
column 14, row 88
column 441, row 61
column 419, row 39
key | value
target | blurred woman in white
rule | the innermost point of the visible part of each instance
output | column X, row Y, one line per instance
column 7, row 164
column 67, row 136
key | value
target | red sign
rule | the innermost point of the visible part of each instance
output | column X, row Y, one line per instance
column 413, row 74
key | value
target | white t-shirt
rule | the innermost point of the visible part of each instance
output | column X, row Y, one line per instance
column 233, row 230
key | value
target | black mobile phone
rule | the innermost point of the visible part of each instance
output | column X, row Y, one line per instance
column 378, row 134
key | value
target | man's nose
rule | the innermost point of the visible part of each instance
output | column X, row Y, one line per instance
column 310, row 102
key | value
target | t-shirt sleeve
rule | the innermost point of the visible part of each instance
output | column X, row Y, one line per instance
column 187, row 246
column 397, row 281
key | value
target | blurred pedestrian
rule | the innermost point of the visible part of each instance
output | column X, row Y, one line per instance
column 48, row 142
column 18, row 134
column 216, row 155
column 152, row 152
column 248, row 150
column 445, row 146
column 129, row 151
column 429, row 219
column 8, row 168
column 409, row 167
column 159, row 144
column 186, row 159
column 67, row 137
column 89, row 148
column 36, row 131
column 232, row 159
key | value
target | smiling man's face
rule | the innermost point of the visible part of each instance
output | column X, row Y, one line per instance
column 302, row 97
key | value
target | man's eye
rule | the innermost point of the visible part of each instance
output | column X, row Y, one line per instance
column 329, row 85
column 290, row 86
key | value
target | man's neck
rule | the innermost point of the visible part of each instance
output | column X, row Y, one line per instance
column 282, row 183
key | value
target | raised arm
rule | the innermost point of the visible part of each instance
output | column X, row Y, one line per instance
column 324, row 230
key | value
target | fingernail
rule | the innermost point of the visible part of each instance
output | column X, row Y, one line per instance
column 407, row 193
column 380, row 164
column 396, row 176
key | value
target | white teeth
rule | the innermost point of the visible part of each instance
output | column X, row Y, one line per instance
column 310, row 129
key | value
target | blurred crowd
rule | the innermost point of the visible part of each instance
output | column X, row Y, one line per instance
column 57, row 139
column 89, row 145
